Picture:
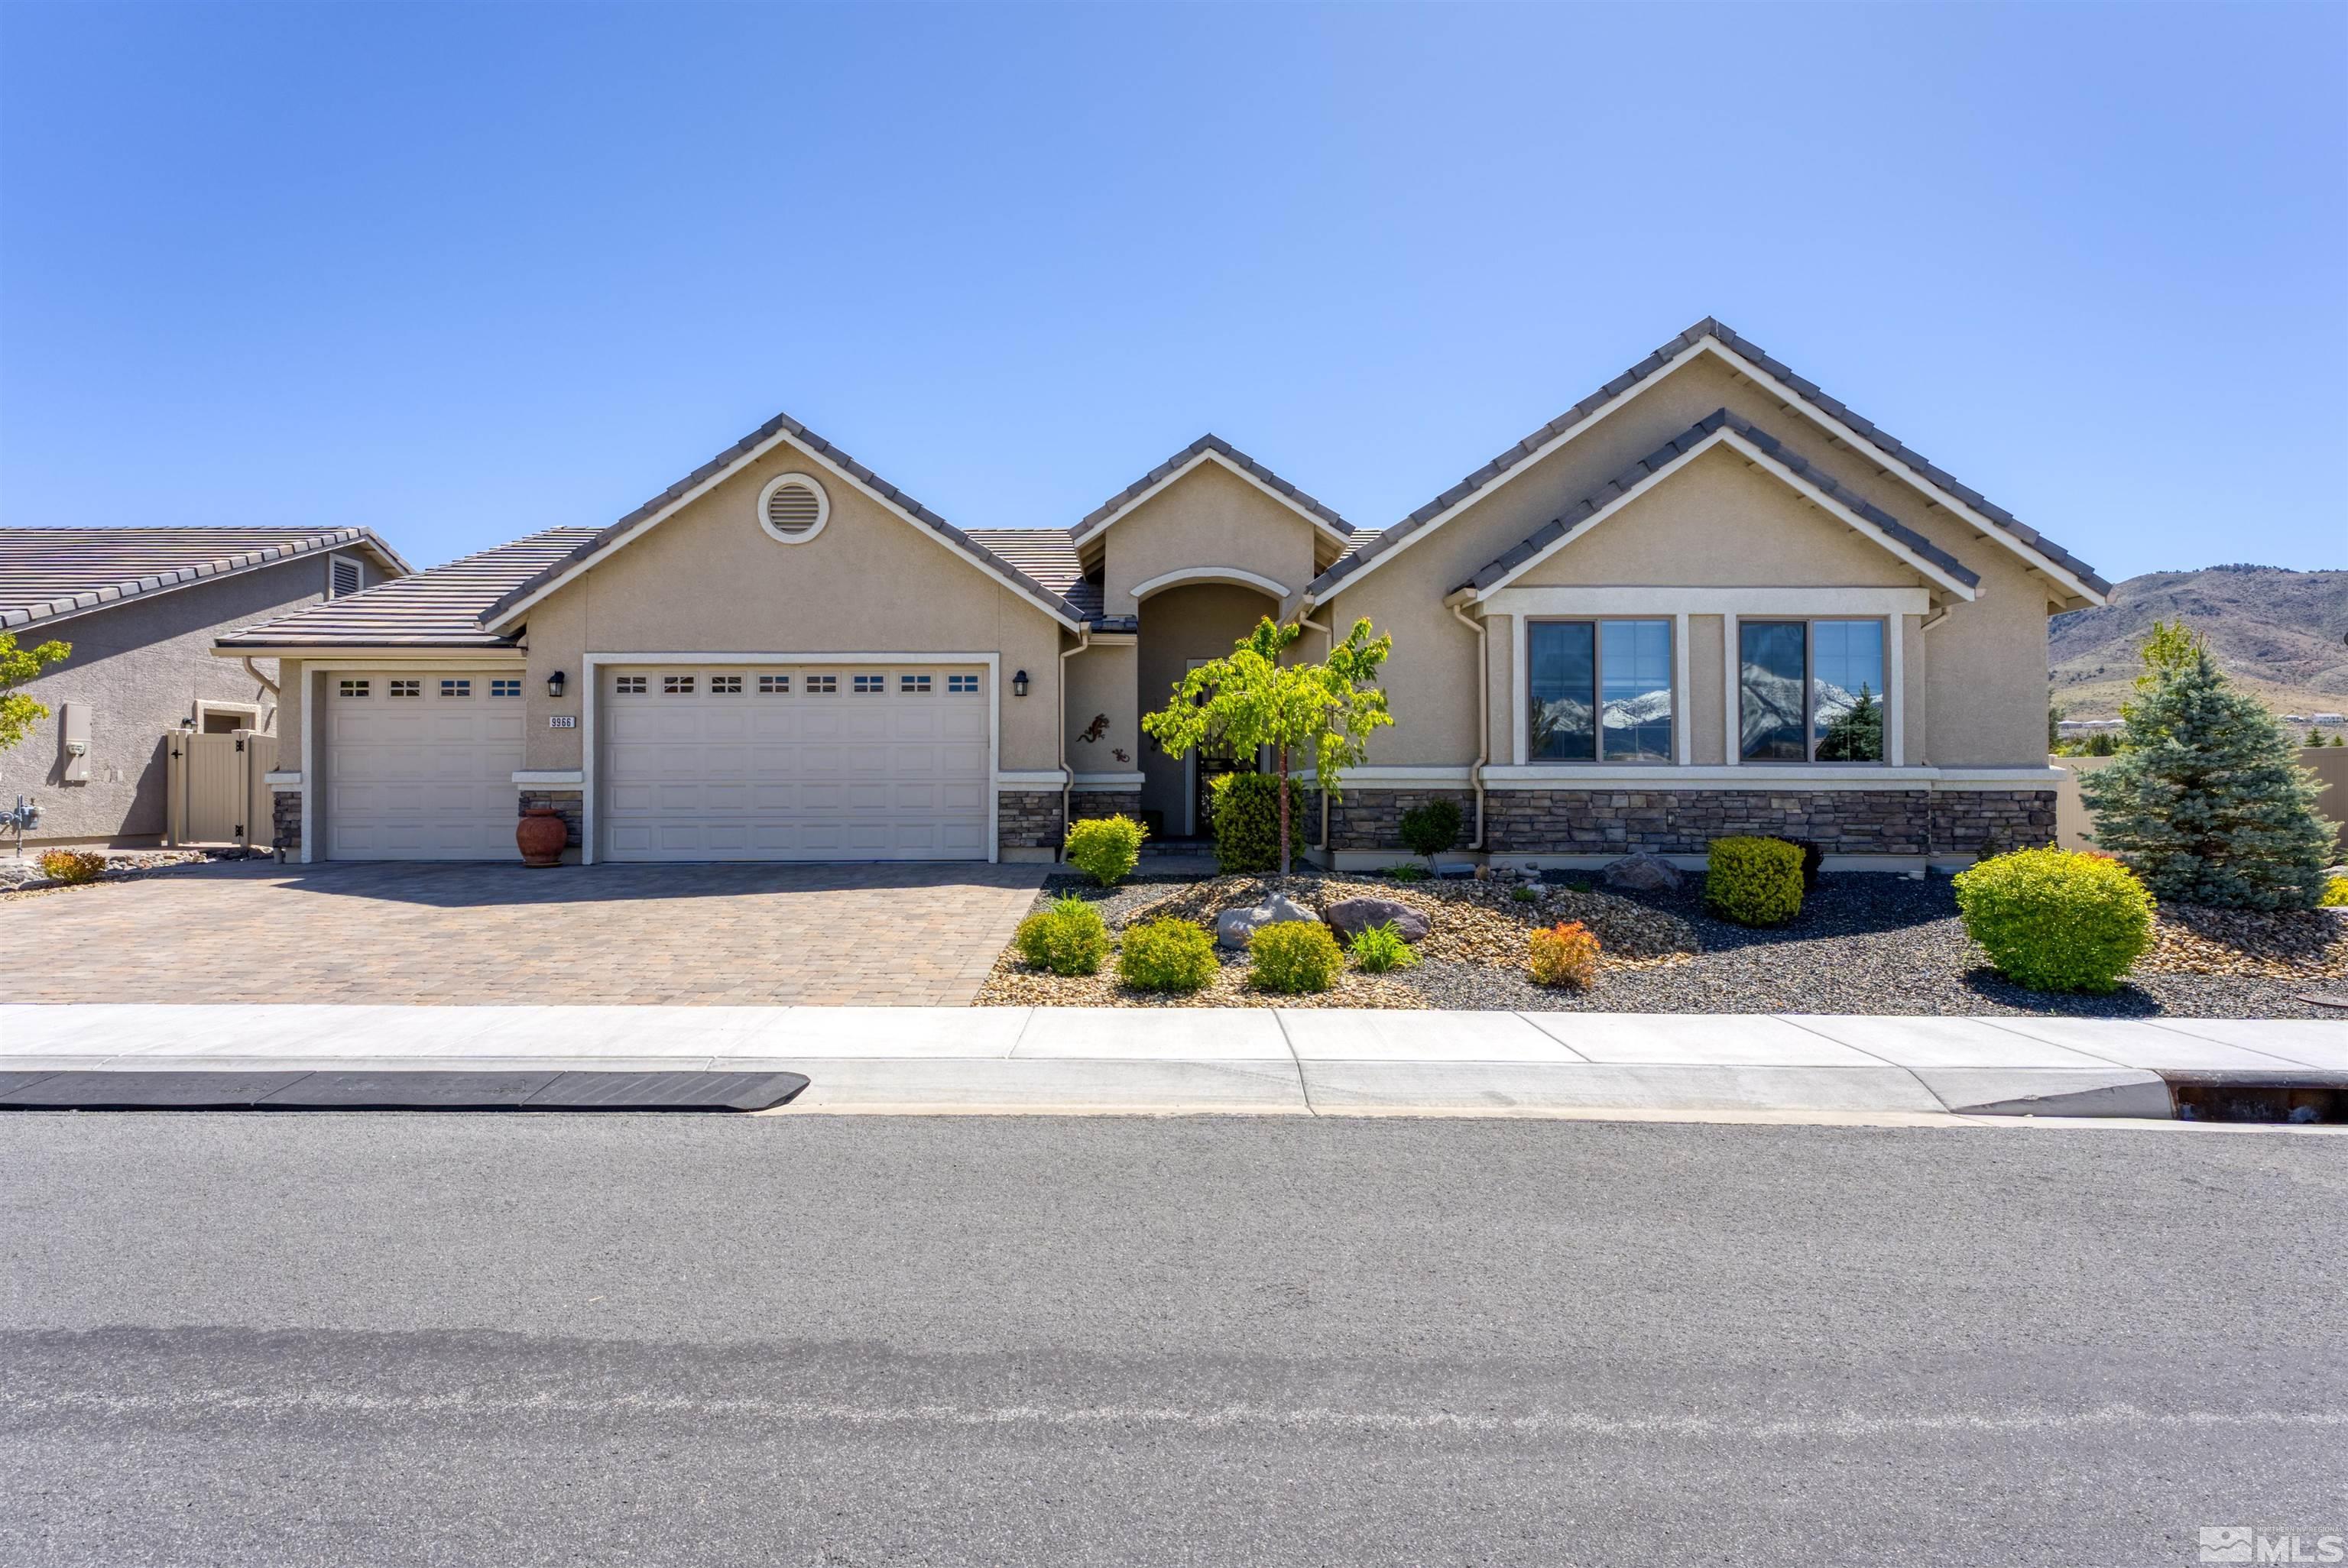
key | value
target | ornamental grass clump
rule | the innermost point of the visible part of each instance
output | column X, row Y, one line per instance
column 1378, row 949
column 1104, row 848
column 1167, row 954
column 71, row 866
column 1754, row 881
column 1566, row 954
column 1291, row 956
column 2056, row 920
column 1068, row 938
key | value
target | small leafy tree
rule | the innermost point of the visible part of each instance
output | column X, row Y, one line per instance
column 18, row 712
column 1250, row 699
column 2208, row 803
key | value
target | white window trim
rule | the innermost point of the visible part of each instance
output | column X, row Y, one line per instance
column 591, row 664
column 206, row 706
column 333, row 558
column 1792, row 775
column 1183, row 576
column 822, row 506
column 1891, row 605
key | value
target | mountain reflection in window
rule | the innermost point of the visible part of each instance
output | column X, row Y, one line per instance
column 1771, row 670
column 1601, row 691
column 1810, row 691
column 1847, row 686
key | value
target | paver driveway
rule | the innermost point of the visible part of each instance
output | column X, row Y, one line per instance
column 495, row 935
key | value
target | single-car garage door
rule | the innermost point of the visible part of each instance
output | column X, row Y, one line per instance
column 852, row 762
column 420, row 765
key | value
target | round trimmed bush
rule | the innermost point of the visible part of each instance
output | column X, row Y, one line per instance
column 1295, row 955
column 1245, row 810
column 1754, row 881
column 2055, row 921
column 1104, row 848
column 1167, row 954
column 1068, row 938
column 1431, row 828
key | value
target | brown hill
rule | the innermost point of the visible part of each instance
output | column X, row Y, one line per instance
column 2277, row 633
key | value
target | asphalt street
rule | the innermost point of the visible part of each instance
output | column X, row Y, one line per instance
column 429, row 1340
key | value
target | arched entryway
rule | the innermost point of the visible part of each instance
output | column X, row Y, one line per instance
column 1181, row 626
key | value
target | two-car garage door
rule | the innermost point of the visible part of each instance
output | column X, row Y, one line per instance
column 857, row 762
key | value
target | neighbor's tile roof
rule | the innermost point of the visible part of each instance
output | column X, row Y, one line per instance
column 1671, row 451
column 441, row 608
column 1883, row 440
column 780, row 424
column 1216, row 443
column 49, row 573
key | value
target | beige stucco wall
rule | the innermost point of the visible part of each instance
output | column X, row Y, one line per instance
column 1103, row 682
column 1176, row 626
column 1983, row 685
column 1707, row 686
column 710, row 579
column 1208, row 517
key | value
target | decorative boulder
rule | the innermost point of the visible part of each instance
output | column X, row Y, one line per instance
column 1234, row 926
column 1642, row 874
column 1350, row 918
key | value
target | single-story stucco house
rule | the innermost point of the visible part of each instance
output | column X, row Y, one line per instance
column 1708, row 598
column 141, row 608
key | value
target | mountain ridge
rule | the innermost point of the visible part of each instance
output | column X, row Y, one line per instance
column 2276, row 631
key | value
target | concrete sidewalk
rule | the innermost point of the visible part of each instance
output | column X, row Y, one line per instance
column 1254, row 1060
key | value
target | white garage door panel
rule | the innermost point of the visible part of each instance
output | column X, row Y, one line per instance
column 428, row 777
column 898, row 774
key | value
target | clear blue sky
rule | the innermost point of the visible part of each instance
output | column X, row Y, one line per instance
column 460, row 273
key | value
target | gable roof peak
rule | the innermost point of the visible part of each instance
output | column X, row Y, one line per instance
column 1141, row 489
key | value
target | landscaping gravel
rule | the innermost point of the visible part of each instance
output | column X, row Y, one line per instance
column 1864, row 943
column 24, row 875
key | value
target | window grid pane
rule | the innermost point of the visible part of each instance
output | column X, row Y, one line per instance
column 726, row 685
column 456, row 687
column 1772, row 671
column 629, row 685
column 505, row 687
column 1847, row 690
column 823, row 685
column 774, row 685
column 871, row 685
column 1635, row 668
column 962, row 685
column 1563, row 658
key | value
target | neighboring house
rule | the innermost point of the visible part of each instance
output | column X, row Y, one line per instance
column 141, row 608
column 1706, row 600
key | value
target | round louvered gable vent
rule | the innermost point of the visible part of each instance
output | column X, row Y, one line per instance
column 793, row 508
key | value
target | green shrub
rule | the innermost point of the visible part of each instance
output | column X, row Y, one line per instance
column 1377, row 948
column 1167, row 954
column 1068, row 938
column 2055, row 921
column 1245, row 809
column 2335, row 894
column 1525, row 892
column 1754, row 881
column 70, row 866
column 1431, row 828
column 1580, row 886
column 1407, row 871
column 1813, row 857
column 1293, row 955
column 1104, row 848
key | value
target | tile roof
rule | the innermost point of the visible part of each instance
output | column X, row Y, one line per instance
column 1678, row 446
column 781, row 424
column 1049, row 556
column 49, row 573
column 1883, row 440
column 441, row 608
column 1217, row 444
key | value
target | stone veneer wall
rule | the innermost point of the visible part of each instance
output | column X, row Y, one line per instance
column 569, row 802
column 1904, row 822
column 1090, row 803
column 1372, row 819
column 286, row 821
column 1027, row 819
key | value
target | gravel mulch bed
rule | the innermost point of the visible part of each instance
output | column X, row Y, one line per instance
column 23, row 878
column 1864, row 943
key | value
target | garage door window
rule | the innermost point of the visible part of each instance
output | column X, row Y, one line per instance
column 823, row 685
column 962, row 685
column 404, row 688
column 629, row 685
column 505, row 687
column 913, row 685
column 871, row 685
column 774, row 685
column 456, row 687
column 726, row 685
column 352, row 688
column 676, row 685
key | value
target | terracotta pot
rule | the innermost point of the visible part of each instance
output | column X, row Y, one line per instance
column 541, row 836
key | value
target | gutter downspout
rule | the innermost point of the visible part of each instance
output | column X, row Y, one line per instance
column 1931, row 789
column 266, row 684
column 1483, row 714
column 1303, row 618
column 1067, row 774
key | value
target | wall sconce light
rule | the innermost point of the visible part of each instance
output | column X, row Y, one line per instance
column 554, row 684
column 1019, row 684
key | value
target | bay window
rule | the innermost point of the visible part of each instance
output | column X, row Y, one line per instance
column 1601, row 691
column 1810, row 691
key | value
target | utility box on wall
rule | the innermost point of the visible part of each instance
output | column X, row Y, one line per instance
column 73, row 736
